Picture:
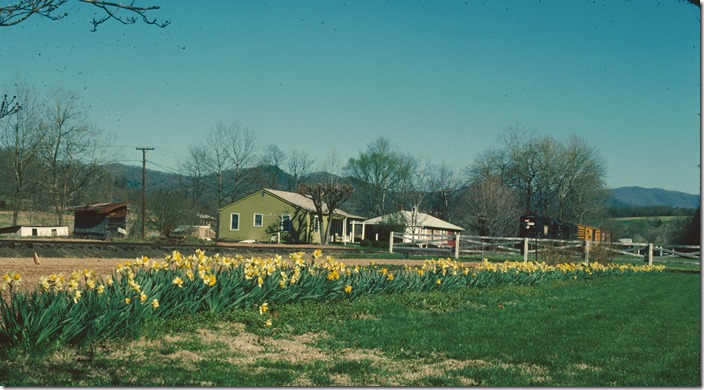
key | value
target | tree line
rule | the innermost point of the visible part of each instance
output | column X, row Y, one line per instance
column 53, row 157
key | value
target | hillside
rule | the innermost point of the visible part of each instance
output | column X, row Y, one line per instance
column 131, row 177
column 639, row 196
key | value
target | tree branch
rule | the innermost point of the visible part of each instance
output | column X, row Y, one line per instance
column 18, row 12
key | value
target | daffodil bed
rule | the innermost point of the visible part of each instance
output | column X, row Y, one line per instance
column 83, row 308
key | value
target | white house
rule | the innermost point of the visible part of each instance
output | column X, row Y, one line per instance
column 418, row 226
column 35, row 231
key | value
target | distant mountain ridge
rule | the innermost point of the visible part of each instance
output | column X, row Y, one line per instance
column 639, row 196
column 131, row 177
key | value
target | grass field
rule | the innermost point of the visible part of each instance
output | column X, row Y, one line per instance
column 640, row 330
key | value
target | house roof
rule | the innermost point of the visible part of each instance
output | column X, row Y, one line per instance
column 421, row 219
column 99, row 207
column 306, row 202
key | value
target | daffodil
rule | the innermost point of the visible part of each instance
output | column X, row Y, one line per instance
column 142, row 297
column 127, row 301
column 100, row 289
column 178, row 281
column 263, row 308
column 155, row 303
column 348, row 289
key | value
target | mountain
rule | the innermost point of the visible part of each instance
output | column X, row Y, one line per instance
column 639, row 196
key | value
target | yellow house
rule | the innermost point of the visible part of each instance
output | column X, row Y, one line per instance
column 274, row 216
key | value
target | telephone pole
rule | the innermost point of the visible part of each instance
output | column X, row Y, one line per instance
column 144, row 184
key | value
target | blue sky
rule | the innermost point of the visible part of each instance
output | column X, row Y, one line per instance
column 441, row 79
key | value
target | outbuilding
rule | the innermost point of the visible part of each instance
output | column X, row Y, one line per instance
column 100, row 220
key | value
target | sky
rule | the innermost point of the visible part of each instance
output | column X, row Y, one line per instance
column 440, row 79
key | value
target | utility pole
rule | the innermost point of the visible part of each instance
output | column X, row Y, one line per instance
column 144, row 184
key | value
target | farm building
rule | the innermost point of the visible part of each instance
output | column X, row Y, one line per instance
column 100, row 220
column 204, row 230
column 279, row 216
column 35, row 231
column 418, row 225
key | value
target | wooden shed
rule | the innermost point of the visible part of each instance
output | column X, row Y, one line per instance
column 100, row 220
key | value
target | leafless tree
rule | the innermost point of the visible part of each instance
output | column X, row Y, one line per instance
column 327, row 197
column 9, row 106
column 72, row 151
column 378, row 171
column 273, row 159
column 298, row 166
column 489, row 208
column 125, row 13
column 193, row 172
column 240, row 146
column 560, row 179
column 217, row 162
column 21, row 137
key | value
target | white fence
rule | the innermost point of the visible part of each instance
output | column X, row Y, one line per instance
column 457, row 245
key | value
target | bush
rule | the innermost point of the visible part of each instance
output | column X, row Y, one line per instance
column 366, row 242
column 380, row 244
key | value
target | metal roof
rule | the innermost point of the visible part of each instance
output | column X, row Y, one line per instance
column 306, row 203
column 418, row 220
column 99, row 207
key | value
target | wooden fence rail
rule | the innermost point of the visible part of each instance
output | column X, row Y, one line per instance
column 456, row 245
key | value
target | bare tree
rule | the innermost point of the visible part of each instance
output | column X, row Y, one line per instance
column 72, row 150
column 20, row 10
column 240, row 146
column 298, row 166
column 564, row 180
column 9, row 106
column 217, row 162
column 327, row 197
column 21, row 137
column 193, row 172
column 489, row 208
column 272, row 160
column 379, row 170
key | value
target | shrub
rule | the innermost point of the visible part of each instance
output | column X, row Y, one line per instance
column 366, row 242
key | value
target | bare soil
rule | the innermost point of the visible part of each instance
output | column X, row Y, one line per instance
column 31, row 272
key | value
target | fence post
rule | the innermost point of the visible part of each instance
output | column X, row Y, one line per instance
column 391, row 243
column 525, row 250
column 650, row 253
column 587, row 244
column 457, row 246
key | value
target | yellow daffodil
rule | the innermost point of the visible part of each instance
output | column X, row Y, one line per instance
column 155, row 303
column 390, row 276
column 317, row 253
column 263, row 308
column 348, row 289
column 142, row 297
column 178, row 281
column 438, row 282
column 76, row 296
column 127, row 301
column 268, row 322
column 100, row 289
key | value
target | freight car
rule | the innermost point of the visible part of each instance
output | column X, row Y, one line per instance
column 536, row 226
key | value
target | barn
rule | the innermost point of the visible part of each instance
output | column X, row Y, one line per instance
column 100, row 220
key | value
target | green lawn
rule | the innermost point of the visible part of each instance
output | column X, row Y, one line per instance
column 640, row 330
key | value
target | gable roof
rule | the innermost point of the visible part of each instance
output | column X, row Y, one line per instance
column 305, row 202
column 421, row 220
column 102, row 208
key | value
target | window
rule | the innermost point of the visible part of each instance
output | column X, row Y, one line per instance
column 286, row 222
column 315, row 223
column 234, row 221
column 258, row 220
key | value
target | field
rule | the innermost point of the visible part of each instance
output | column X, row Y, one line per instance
column 637, row 330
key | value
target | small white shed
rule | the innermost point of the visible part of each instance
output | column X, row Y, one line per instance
column 35, row 231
